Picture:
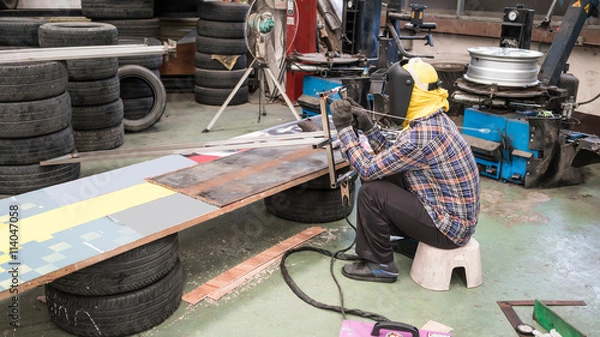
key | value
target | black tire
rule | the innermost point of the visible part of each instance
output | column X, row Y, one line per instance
column 95, row 117
column 133, row 87
column 206, row 61
column 117, row 315
column 101, row 139
column 123, row 273
column 137, row 108
column 85, row 93
column 158, row 92
column 35, row 118
column 222, row 11
column 9, row 4
column 25, row 151
column 117, row 9
column 219, row 78
column 73, row 34
column 221, row 29
column 19, row 31
column 92, row 69
column 32, row 81
column 147, row 61
column 149, row 28
column 308, row 205
column 217, row 96
column 25, row 178
column 213, row 45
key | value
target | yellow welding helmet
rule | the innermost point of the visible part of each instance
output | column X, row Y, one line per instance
column 423, row 74
column 427, row 96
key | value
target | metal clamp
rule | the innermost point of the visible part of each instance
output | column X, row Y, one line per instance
column 343, row 181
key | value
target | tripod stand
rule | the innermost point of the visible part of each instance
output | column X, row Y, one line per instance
column 262, row 69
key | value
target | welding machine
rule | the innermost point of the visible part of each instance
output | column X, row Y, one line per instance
column 385, row 329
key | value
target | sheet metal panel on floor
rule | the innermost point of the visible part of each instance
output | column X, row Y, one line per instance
column 67, row 227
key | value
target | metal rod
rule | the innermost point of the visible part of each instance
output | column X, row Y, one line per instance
column 282, row 92
column 230, row 97
column 392, row 30
column 305, row 138
column 328, row 145
column 460, row 7
column 84, row 52
column 262, row 110
column 482, row 130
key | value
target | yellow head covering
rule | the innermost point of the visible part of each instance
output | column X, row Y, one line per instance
column 424, row 102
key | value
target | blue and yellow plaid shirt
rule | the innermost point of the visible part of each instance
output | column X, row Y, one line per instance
column 437, row 163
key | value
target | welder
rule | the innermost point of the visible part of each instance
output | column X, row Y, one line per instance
column 423, row 186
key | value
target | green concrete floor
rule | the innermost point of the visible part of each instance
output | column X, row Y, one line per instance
column 534, row 244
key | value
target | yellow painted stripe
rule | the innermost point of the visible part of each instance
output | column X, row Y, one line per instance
column 40, row 227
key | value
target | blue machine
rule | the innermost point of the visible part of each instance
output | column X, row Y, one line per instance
column 312, row 86
column 501, row 144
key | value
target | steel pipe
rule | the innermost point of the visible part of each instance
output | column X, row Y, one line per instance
column 84, row 52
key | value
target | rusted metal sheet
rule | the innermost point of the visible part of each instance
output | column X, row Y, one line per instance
column 183, row 64
column 233, row 178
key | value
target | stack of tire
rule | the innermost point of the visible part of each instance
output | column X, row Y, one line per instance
column 312, row 202
column 221, row 52
column 93, row 84
column 35, row 125
column 19, row 32
column 131, row 17
column 127, row 294
column 136, row 24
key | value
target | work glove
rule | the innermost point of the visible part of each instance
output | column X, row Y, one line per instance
column 363, row 121
column 341, row 113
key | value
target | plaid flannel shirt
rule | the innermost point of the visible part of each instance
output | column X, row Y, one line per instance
column 437, row 163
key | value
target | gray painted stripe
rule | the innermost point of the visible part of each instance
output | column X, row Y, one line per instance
column 158, row 215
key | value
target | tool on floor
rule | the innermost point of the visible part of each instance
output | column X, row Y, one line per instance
column 552, row 321
column 387, row 329
column 529, row 330
column 525, row 330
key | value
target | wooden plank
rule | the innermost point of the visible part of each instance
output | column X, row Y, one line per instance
column 229, row 280
column 227, row 180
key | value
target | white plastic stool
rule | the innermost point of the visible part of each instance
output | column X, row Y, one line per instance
column 432, row 267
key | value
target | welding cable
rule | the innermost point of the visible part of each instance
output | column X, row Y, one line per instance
column 338, row 255
column 589, row 101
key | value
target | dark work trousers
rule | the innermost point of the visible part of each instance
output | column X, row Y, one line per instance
column 384, row 208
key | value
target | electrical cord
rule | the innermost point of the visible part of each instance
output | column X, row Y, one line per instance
column 589, row 101
column 338, row 255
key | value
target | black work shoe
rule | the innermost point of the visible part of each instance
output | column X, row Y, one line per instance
column 369, row 271
column 405, row 246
